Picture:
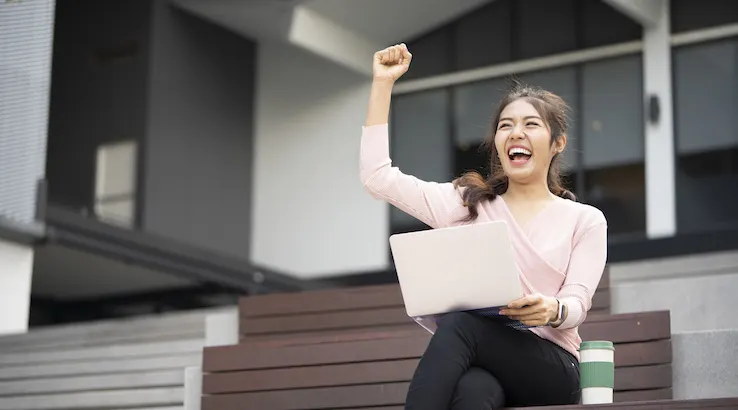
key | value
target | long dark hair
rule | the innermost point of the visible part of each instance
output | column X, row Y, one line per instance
column 554, row 111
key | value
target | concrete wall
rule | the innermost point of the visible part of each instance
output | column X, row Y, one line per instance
column 26, row 38
column 705, row 364
column 198, row 151
column 699, row 290
column 16, row 265
column 182, row 88
column 311, row 216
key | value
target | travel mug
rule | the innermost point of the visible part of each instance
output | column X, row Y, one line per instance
column 597, row 371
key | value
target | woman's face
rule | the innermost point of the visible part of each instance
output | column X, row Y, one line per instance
column 523, row 142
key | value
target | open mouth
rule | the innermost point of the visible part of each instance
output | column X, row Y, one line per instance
column 518, row 155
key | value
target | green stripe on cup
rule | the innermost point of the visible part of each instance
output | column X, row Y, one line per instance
column 597, row 374
column 596, row 345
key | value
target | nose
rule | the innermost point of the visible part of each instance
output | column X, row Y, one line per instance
column 517, row 132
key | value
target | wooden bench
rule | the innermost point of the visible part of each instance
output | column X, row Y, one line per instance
column 314, row 315
column 131, row 363
column 373, row 368
column 304, row 346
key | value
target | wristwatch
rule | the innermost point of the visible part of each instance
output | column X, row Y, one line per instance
column 561, row 317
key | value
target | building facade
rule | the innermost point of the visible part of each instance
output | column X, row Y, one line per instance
column 162, row 155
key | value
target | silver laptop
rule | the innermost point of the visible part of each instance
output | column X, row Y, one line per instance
column 454, row 269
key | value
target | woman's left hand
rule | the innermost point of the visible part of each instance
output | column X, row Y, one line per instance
column 533, row 310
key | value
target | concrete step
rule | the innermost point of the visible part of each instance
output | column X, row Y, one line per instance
column 163, row 397
column 105, row 366
column 160, row 335
column 49, row 385
column 705, row 364
column 114, row 351
column 50, row 336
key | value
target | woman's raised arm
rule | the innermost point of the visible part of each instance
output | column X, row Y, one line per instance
column 436, row 204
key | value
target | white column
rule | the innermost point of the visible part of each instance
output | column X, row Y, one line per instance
column 659, row 135
column 16, row 268
column 320, row 35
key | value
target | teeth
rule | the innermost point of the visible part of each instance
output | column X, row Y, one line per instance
column 517, row 150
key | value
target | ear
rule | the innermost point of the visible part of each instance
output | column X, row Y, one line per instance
column 560, row 144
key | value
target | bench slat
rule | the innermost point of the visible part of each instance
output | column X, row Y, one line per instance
column 308, row 399
column 643, row 395
column 307, row 377
column 712, row 404
column 643, row 377
column 328, row 300
column 376, row 408
column 393, row 395
column 246, row 357
column 346, row 335
column 648, row 326
column 353, row 298
column 643, row 353
column 343, row 319
column 617, row 328
column 328, row 321
column 626, row 378
column 627, row 354
column 320, row 334
column 627, row 328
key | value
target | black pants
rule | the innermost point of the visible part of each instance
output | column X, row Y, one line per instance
column 475, row 363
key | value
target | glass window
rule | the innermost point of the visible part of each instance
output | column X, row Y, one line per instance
column 482, row 37
column 706, row 127
column 431, row 54
column 563, row 82
column 603, row 25
column 474, row 105
column 544, row 27
column 421, row 145
column 691, row 15
column 612, row 141
column 612, row 115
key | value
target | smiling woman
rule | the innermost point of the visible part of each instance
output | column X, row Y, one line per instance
column 529, row 112
column 560, row 247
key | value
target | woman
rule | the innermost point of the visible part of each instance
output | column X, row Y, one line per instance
column 473, row 362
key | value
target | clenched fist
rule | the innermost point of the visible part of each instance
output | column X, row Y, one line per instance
column 391, row 63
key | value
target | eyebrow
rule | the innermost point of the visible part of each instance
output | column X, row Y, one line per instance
column 525, row 118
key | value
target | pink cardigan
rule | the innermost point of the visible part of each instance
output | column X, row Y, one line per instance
column 560, row 252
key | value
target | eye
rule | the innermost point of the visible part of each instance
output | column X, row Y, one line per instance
column 501, row 126
column 532, row 124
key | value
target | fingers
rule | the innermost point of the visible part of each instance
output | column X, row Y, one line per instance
column 525, row 311
column 526, row 301
column 406, row 56
column 528, row 307
column 533, row 320
column 381, row 56
column 397, row 54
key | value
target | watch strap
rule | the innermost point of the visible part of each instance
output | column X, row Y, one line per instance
column 561, row 315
